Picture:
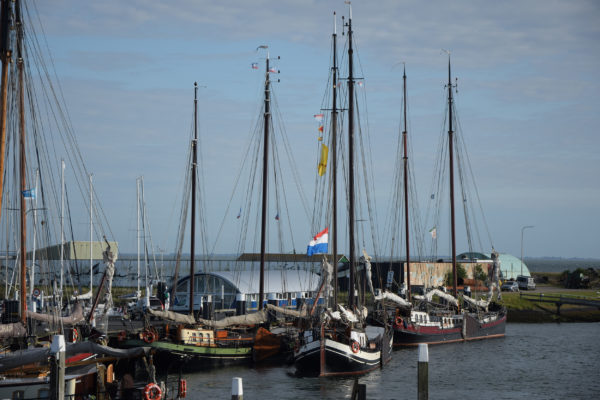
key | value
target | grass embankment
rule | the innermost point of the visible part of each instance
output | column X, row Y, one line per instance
column 521, row 309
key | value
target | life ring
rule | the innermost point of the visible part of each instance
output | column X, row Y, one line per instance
column 355, row 346
column 74, row 335
column 152, row 392
column 398, row 320
column 148, row 336
column 182, row 388
column 122, row 336
column 297, row 347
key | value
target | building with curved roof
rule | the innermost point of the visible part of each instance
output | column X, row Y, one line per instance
column 510, row 266
column 227, row 287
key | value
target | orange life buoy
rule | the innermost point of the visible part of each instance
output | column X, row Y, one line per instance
column 152, row 392
column 182, row 388
column 74, row 335
column 398, row 320
column 355, row 346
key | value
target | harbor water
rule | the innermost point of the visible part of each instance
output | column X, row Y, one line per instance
column 533, row 361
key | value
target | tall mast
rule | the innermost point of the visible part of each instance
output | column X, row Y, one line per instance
column 405, row 160
column 91, row 236
column 351, row 299
column 451, row 166
column 23, row 288
column 62, row 225
column 5, row 55
column 143, row 215
column 334, row 118
column 137, row 184
column 267, row 116
column 193, row 221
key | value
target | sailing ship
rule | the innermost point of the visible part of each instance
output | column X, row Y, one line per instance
column 194, row 341
column 335, row 341
column 438, row 317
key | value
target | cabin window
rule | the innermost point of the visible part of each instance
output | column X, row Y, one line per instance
column 44, row 394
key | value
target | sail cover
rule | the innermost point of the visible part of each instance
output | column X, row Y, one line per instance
column 75, row 317
column 394, row 298
column 41, row 354
column 479, row 303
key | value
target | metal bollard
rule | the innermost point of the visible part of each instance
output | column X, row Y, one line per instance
column 237, row 390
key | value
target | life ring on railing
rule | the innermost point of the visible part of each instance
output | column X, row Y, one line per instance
column 398, row 320
column 122, row 336
column 297, row 347
column 148, row 336
column 182, row 388
column 355, row 346
column 74, row 335
column 152, row 392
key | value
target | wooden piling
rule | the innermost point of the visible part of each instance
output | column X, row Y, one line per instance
column 423, row 372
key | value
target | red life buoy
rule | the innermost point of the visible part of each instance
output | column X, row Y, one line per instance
column 398, row 320
column 355, row 346
column 74, row 335
column 149, row 336
column 122, row 336
column 152, row 392
column 182, row 388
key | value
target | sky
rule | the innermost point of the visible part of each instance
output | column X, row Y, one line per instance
column 528, row 101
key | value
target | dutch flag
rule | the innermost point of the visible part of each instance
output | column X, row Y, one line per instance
column 319, row 243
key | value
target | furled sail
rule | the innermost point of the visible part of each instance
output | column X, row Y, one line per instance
column 172, row 316
column 12, row 330
column 245, row 319
column 436, row 292
column 393, row 298
column 75, row 317
column 41, row 354
column 479, row 303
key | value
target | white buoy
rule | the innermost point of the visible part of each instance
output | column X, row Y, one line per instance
column 237, row 390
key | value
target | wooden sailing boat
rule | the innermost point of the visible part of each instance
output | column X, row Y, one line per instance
column 195, row 343
column 335, row 343
column 445, row 321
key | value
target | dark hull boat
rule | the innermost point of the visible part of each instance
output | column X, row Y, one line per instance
column 336, row 341
column 341, row 358
column 438, row 330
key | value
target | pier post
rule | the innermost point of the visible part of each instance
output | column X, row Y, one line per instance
column 57, row 367
column 237, row 390
column 423, row 372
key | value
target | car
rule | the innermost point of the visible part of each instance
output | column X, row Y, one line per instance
column 525, row 282
column 510, row 286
